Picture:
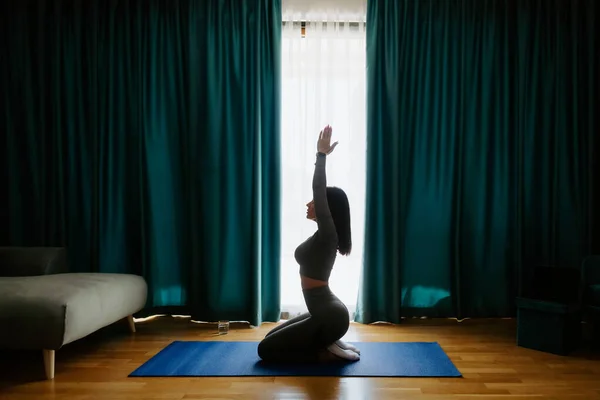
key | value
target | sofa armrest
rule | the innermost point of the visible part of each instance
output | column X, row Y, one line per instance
column 32, row 261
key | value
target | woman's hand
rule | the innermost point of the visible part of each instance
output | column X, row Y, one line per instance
column 324, row 143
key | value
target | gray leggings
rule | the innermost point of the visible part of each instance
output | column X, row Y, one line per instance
column 302, row 338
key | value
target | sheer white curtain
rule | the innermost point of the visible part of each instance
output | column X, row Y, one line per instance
column 323, row 82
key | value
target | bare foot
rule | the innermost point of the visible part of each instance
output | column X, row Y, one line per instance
column 325, row 356
column 335, row 354
column 348, row 355
column 347, row 346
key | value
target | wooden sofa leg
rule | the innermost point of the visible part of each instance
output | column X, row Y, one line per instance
column 131, row 323
column 49, row 363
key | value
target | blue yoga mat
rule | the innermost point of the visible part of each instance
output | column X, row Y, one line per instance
column 378, row 359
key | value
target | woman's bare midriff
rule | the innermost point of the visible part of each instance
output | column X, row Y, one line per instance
column 309, row 283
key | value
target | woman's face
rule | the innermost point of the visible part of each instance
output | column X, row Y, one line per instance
column 310, row 210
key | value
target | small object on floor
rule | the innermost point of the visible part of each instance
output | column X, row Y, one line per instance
column 347, row 346
column 223, row 327
column 377, row 359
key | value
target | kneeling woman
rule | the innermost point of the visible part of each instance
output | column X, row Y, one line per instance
column 316, row 335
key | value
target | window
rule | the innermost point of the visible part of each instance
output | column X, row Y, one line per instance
column 323, row 82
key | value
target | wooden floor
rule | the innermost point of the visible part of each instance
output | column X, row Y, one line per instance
column 493, row 367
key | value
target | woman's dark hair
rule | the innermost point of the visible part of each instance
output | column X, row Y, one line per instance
column 340, row 212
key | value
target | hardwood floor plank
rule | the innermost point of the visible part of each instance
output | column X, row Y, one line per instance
column 493, row 367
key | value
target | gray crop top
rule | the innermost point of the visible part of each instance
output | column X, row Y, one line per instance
column 316, row 255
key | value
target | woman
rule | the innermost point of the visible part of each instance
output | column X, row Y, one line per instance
column 315, row 336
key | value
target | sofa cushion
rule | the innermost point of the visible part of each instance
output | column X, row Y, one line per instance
column 47, row 312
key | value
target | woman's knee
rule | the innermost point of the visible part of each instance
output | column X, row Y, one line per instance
column 268, row 348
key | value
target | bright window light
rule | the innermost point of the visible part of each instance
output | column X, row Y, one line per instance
column 323, row 82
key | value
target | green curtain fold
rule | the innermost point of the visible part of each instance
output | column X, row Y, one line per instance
column 482, row 145
column 144, row 136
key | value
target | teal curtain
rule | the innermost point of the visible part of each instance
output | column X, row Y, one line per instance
column 482, row 146
column 144, row 136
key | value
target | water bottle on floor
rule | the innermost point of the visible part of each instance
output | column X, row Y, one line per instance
column 223, row 327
